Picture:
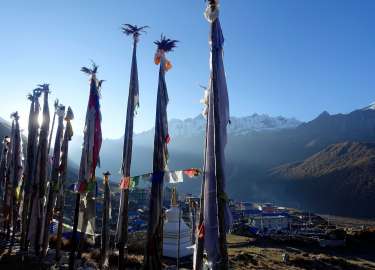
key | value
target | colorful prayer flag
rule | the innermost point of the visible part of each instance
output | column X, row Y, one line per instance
column 174, row 177
column 192, row 172
column 92, row 141
column 125, row 183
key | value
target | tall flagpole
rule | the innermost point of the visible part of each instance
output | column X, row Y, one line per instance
column 40, row 176
column 105, row 222
column 3, row 164
column 179, row 236
column 60, row 112
column 92, row 142
column 216, row 214
column 199, row 242
column 68, row 134
column 154, row 245
column 8, row 187
column 32, row 142
column 16, row 172
column 133, row 103
column 32, row 155
column 220, row 102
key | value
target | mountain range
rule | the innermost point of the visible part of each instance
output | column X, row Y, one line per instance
column 272, row 159
column 186, row 146
column 257, row 146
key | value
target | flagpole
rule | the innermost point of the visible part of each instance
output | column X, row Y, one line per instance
column 4, row 175
column 154, row 246
column 41, row 171
column 8, row 188
column 133, row 103
column 28, row 169
column 59, row 111
column 32, row 154
column 15, row 172
column 8, row 199
column 92, row 141
column 74, row 241
column 216, row 216
column 68, row 134
column 199, row 245
column 219, row 159
column 105, row 220
column 31, row 147
column 221, row 202
column 179, row 236
column 3, row 165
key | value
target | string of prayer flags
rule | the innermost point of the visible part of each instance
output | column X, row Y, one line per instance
column 171, row 177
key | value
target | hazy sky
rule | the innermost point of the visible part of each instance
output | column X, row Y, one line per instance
column 294, row 58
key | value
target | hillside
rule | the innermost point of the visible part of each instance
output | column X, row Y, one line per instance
column 339, row 179
column 5, row 131
column 257, row 145
column 251, row 152
column 186, row 146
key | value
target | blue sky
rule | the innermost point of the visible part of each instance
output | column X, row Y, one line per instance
column 294, row 58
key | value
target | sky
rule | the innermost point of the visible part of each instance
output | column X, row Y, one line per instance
column 294, row 58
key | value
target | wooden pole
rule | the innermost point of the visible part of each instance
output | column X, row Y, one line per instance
column 28, row 171
column 62, row 177
column 122, row 225
column 89, row 159
column 32, row 147
column 179, row 236
column 42, row 166
column 60, row 225
column 221, row 200
column 199, row 242
column 154, row 246
column 74, row 241
column 54, row 178
column 122, row 245
column 105, row 220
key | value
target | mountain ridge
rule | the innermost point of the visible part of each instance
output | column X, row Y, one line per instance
column 251, row 157
column 239, row 125
column 339, row 179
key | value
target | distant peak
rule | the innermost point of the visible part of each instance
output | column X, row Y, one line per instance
column 324, row 114
column 369, row 107
column 239, row 125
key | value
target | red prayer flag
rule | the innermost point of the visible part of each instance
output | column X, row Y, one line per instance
column 167, row 139
column 192, row 172
column 201, row 231
column 82, row 187
column 125, row 183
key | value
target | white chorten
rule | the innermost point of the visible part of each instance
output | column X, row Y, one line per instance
column 170, row 232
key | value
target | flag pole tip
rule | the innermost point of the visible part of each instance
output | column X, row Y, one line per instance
column 107, row 173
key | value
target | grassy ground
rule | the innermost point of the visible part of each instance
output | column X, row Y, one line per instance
column 246, row 253
column 349, row 222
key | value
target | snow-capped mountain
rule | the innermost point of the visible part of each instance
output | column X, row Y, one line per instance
column 369, row 107
column 238, row 125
